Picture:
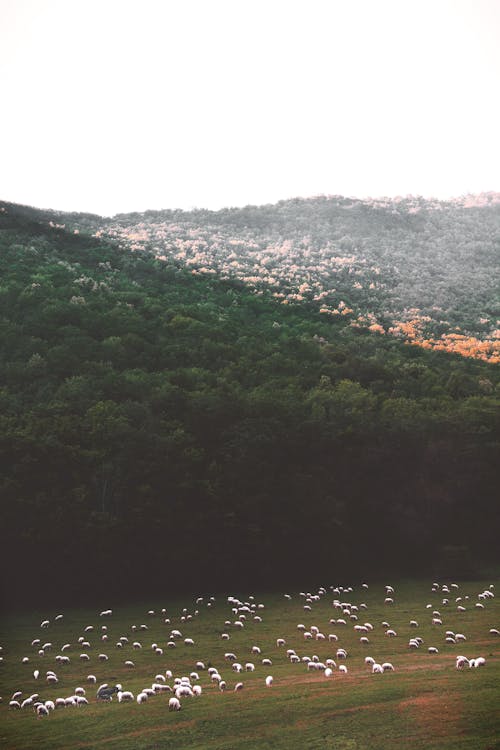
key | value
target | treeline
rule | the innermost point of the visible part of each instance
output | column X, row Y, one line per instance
column 161, row 430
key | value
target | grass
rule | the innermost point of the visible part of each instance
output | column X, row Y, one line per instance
column 425, row 703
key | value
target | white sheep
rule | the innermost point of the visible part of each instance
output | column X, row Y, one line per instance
column 387, row 666
column 125, row 696
column 238, row 687
column 342, row 669
column 174, row 704
column 480, row 661
column 269, row 681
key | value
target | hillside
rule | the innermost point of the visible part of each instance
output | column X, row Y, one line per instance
column 424, row 270
column 162, row 425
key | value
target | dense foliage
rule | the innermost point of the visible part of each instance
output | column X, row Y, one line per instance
column 413, row 268
column 162, row 426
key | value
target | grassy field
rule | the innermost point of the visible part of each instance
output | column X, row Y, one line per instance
column 425, row 703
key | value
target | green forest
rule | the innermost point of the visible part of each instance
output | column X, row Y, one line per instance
column 164, row 430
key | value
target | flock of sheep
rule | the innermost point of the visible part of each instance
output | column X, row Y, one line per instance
column 240, row 615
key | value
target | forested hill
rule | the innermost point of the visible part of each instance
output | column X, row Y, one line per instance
column 425, row 270
column 165, row 429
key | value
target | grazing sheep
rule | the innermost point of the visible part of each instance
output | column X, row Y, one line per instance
column 222, row 685
column 42, row 710
column 269, row 681
column 238, row 687
column 342, row 669
column 125, row 696
column 106, row 693
column 480, row 661
column 387, row 666
column 377, row 669
column 142, row 697
column 174, row 704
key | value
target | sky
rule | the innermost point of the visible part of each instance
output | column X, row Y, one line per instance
column 112, row 106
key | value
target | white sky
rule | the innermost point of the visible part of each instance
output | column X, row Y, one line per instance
column 121, row 105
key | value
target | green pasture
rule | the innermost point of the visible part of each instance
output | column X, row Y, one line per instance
column 425, row 703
